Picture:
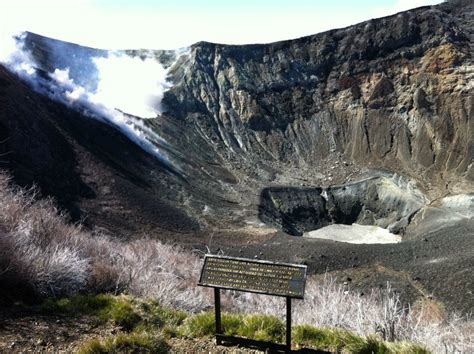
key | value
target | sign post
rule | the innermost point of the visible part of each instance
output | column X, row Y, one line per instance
column 288, row 324
column 261, row 277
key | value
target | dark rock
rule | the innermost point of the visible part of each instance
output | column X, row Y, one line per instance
column 381, row 89
column 380, row 200
column 420, row 100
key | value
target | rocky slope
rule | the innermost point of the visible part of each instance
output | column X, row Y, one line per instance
column 389, row 99
column 393, row 93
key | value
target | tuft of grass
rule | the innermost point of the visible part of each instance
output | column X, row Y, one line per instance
column 118, row 310
column 337, row 340
column 203, row 325
column 406, row 348
column 123, row 311
column 262, row 327
column 126, row 343
column 79, row 304
column 157, row 316
column 310, row 336
column 122, row 314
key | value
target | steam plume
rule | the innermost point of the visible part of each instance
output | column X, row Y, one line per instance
column 115, row 87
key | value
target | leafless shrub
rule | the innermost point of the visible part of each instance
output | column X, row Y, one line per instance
column 165, row 273
column 38, row 245
column 329, row 304
column 56, row 258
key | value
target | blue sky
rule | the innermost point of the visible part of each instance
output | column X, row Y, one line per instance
column 178, row 23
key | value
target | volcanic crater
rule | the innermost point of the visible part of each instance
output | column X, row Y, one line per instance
column 261, row 145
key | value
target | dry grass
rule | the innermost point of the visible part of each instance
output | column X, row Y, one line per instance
column 328, row 304
column 41, row 252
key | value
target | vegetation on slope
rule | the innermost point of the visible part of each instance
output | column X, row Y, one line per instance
column 43, row 256
column 146, row 325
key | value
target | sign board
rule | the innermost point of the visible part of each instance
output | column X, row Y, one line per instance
column 264, row 277
column 250, row 275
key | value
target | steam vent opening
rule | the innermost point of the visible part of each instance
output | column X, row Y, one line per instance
column 375, row 210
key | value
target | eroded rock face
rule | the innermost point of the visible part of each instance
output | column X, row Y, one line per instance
column 393, row 93
column 386, row 202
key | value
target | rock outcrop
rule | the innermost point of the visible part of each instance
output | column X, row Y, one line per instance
column 394, row 92
column 384, row 201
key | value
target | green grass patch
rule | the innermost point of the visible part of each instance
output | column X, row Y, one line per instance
column 406, row 348
column 80, row 304
column 270, row 328
column 119, row 310
column 260, row 327
column 334, row 340
column 157, row 316
column 139, row 317
column 309, row 336
column 337, row 340
column 203, row 325
column 123, row 314
column 126, row 343
column 122, row 311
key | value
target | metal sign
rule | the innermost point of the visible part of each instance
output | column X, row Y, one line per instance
column 271, row 278
column 263, row 277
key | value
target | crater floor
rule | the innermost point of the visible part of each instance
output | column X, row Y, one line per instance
column 354, row 233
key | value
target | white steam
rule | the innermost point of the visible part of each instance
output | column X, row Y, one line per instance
column 14, row 57
column 77, row 96
column 127, row 87
column 133, row 85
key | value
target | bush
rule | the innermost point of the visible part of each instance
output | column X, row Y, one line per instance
column 41, row 252
column 118, row 310
column 157, row 316
column 126, row 343
column 39, row 246
column 79, row 304
column 262, row 327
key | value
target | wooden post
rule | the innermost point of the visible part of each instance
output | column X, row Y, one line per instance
column 217, row 300
column 288, row 324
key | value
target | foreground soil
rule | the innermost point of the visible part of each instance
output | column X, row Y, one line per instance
column 27, row 330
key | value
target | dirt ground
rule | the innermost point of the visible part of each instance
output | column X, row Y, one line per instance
column 26, row 330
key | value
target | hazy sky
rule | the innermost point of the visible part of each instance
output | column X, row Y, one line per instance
column 177, row 23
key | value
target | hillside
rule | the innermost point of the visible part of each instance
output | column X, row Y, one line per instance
column 253, row 146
